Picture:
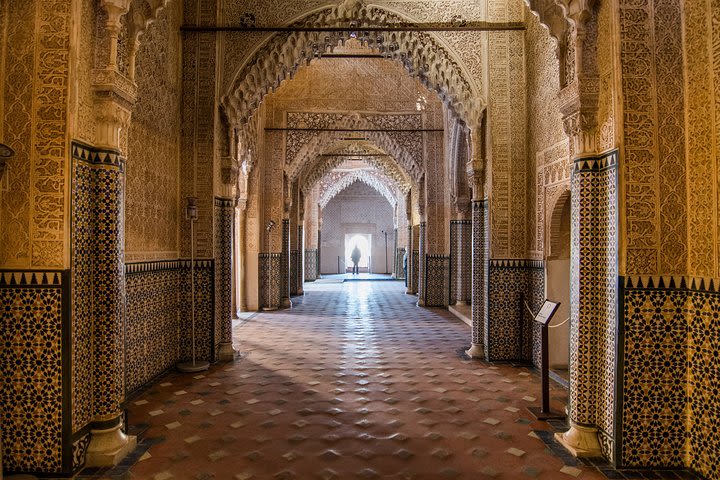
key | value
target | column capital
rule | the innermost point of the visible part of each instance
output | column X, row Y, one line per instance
column 579, row 106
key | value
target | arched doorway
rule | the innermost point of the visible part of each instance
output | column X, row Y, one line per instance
column 557, row 275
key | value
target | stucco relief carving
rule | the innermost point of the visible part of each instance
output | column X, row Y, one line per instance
column 337, row 181
column 282, row 55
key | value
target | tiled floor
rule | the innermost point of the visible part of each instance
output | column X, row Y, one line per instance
column 354, row 382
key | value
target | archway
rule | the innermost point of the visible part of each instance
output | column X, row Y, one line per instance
column 557, row 281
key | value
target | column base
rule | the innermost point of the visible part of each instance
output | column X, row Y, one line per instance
column 300, row 292
column 226, row 352
column 420, row 302
column 108, row 447
column 286, row 303
column 269, row 309
column 476, row 350
column 580, row 441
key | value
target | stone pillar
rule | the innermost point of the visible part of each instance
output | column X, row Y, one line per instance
column 422, row 280
column 285, row 265
column 593, row 254
column 241, row 219
column 224, row 214
column 480, row 271
column 480, row 244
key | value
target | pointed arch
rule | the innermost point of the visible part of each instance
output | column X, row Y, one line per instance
column 335, row 182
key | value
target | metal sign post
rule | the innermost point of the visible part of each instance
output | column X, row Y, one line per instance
column 543, row 317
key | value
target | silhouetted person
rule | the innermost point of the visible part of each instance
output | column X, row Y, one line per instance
column 355, row 257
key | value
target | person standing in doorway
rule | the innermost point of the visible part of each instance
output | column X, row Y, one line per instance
column 355, row 257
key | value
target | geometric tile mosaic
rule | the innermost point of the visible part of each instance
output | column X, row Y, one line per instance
column 511, row 332
column 311, row 265
column 32, row 323
column 224, row 227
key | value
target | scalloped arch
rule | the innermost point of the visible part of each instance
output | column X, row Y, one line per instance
column 339, row 181
column 320, row 143
column 421, row 55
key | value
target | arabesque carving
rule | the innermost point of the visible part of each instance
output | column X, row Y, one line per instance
column 335, row 182
column 420, row 53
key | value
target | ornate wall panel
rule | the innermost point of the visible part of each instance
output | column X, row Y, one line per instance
column 153, row 144
column 460, row 261
column 507, row 145
column 399, row 270
column 311, row 264
column 34, row 375
column 436, row 197
column 205, row 340
column 35, row 95
column 437, row 271
column 654, row 127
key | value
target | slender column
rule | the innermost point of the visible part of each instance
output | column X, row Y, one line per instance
column 300, row 270
column 480, row 243
column 223, row 277
column 422, row 280
column 241, row 302
column 285, row 265
column 480, row 262
column 410, row 265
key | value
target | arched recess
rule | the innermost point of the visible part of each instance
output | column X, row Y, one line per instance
column 335, row 182
column 421, row 54
column 557, row 279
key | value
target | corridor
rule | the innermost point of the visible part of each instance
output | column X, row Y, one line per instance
column 354, row 382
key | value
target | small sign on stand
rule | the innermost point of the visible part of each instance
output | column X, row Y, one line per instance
column 543, row 317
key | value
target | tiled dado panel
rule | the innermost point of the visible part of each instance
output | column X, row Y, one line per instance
column 414, row 275
column 269, row 274
column 98, row 284
column 35, row 375
column 205, row 340
column 158, row 317
column 511, row 334
column 285, row 261
column 224, row 227
column 670, row 347
column 311, row 268
column 399, row 256
column 152, row 323
column 294, row 268
column 437, row 280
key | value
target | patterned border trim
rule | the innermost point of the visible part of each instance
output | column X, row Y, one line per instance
column 670, row 282
column 14, row 278
column 159, row 265
column 224, row 202
column 269, row 255
column 97, row 156
column 516, row 263
column 460, row 222
column 596, row 164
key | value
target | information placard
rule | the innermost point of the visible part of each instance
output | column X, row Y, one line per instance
column 546, row 312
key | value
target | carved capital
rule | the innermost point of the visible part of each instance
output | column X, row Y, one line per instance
column 110, row 117
column 579, row 106
column 476, row 178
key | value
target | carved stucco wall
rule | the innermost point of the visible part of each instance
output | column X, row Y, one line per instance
column 547, row 142
column 35, row 99
column 507, row 121
column 152, row 162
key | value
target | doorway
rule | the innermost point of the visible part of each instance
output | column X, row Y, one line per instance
column 364, row 243
column 558, row 285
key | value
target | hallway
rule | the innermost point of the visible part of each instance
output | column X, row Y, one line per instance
column 354, row 382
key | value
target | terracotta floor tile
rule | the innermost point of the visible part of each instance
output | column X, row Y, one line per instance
column 355, row 381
